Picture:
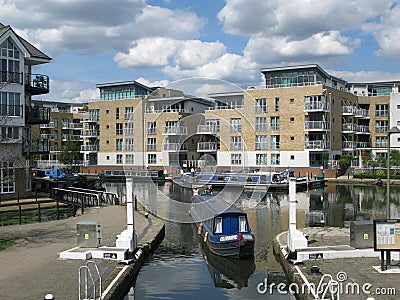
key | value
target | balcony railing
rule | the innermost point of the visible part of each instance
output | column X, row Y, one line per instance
column 235, row 146
column 349, row 145
column 174, row 130
column 382, row 144
column 261, row 145
column 89, row 148
column 362, row 129
column 36, row 147
column 75, row 126
column 381, row 113
column 129, row 131
column 37, row 84
column 207, row 129
column 348, row 110
column 49, row 125
column 151, row 147
column 175, row 147
column 317, row 125
column 128, row 116
column 361, row 113
column 11, row 110
column 71, row 137
column 37, row 115
column 90, row 133
column 317, row 145
column 91, row 118
column 128, row 147
column 363, row 145
column 349, row 127
column 316, row 106
column 262, row 127
column 207, row 146
column 46, row 136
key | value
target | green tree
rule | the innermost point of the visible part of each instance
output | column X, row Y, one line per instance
column 70, row 154
column 345, row 161
column 394, row 157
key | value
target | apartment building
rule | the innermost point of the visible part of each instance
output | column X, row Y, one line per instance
column 65, row 125
column 303, row 118
column 133, row 126
column 18, row 83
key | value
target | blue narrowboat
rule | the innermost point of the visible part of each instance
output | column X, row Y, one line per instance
column 223, row 227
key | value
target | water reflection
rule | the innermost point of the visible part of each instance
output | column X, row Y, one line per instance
column 180, row 270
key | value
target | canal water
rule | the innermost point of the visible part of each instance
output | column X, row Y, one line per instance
column 182, row 268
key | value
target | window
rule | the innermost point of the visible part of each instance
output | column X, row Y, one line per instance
column 291, row 101
column 275, row 123
column 291, row 157
column 398, row 106
column 129, row 146
column 128, row 129
column 9, row 62
column 151, row 159
column 119, row 130
column 10, row 134
column 275, row 159
column 261, row 124
column 242, row 224
column 129, row 159
column 218, row 225
column 292, row 138
column 236, row 159
column 236, row 125
column 261, row 142
column 107, row 157
column 291, row 119
column 7, row 176
column 128, row 113
column 117, row 113
column 119, row 159
column 261, row 106
column 277, row 105
column 151, row 144
column 275, row 142
column 261, row 159
column 107, row 126
column 10, row 104
column 151, row 127
column 107, row 111
column 236, row 143
column 118, row 144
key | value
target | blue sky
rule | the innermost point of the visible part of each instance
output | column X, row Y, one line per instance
column 160, row 41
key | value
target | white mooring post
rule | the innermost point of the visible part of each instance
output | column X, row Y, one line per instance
column 296, row 239
column 127, row 238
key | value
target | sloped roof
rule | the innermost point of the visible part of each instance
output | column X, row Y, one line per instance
column 33, row 51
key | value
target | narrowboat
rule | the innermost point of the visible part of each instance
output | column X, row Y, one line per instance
column 223, row 227
column 137, row 175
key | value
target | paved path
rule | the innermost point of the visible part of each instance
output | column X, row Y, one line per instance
column 354, row 272
column 31, row 268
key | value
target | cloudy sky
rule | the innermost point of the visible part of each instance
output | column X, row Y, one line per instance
column 158, row 42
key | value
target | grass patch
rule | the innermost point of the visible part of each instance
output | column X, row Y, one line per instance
column 5, row 244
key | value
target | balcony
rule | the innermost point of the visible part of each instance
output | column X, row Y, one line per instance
column 361, row 113
column 207, row 147
column 36, row 147
column 46, row 136
column 73, row 126
column 90, row 133
column 381, row 144
column 174, row 130
column 207, row 129
column 71, row 137
column 317, row 126
column 175, row 147
column 363, row 145
column 317, row 145
column 89, row 148
column 362, row 129
column 11, row 110
column 349, row 145
column 37, row 115
column 50, row 125
column 349, row 128
column 91, row 118
column 235, row 146
column 37, row 84
column 348, row 110
column 316, row 106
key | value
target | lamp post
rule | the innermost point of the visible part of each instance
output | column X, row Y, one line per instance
column 391, row 131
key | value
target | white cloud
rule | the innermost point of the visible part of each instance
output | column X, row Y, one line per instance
column 280, row 50
column 160, row 51
column 149, row 83
column 386, row 31
column 297, row 18
column 71, row 91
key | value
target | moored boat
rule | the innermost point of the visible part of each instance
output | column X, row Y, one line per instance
column 223, row 227
column 137, row 175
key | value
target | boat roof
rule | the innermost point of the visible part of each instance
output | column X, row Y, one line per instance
column 218, row 206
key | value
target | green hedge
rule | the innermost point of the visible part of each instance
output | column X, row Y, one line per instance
column 378, row 174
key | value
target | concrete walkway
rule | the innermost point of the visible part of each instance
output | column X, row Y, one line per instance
column 31, row 268
column 357, row 277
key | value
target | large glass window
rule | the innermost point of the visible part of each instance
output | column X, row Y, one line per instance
column 236, row 159
column 7, row 176
column 120, row 159
column 236, row 143
column 9, row 62
column 151, row 144
column 128, row 129
column 261, row 106
column 10, row 104
column 261, row 124
column 261, row 159
column 119, row 130
column 118, row 144
column 151, row 159
column 275, row 123
column 261, row 142
column 236, row 125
